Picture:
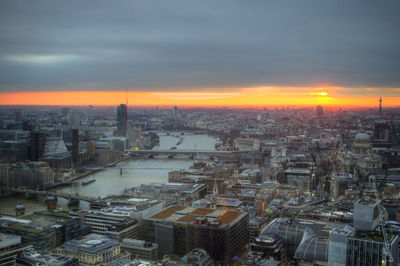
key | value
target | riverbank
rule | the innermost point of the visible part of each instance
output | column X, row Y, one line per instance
column 109, row 181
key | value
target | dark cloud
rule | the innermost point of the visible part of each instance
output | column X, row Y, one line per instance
column 182, row 45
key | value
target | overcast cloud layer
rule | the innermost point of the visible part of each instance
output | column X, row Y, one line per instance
column 187, row 45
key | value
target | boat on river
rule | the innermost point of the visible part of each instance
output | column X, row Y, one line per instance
column 89, row 181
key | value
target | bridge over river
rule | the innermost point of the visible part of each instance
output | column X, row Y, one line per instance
column 225, row 156
column 194, row 153
column 179, row 151
column 70, row 197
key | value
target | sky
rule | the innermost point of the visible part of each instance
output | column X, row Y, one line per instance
column 185, row 52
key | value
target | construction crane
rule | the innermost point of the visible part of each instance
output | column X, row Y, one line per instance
column 386, row 252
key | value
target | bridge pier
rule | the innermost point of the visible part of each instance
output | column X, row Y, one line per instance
column 51, row 202
column 30, row 195
column 73, row 204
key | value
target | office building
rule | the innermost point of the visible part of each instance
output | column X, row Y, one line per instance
column 175, row 110
column 197, row 257
column 317, row 242
column 177, row 230
column 28, row 174
column 13, row 151
column 34, row 257
column 366, row 214
column 75, row 146
column 365, row 245
column 304, row 240
column 37, row 145
column 42, row 231
column 122, row 120
column 10, row 247
column 271, row 246
column 73, row 120
column 140, row 248
column 136, row 208
column 361, row 248
column 92, row 249
column 65, row 111
column 112, row 225
column 319, row 111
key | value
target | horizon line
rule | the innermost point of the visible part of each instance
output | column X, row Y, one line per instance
column 207, row 106
column 251, row 98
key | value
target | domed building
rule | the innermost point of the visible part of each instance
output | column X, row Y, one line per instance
column 19, row 209
column 362, row 145
column 362, row 151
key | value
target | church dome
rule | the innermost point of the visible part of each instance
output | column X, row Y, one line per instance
column 362, row 137
column 19, row 206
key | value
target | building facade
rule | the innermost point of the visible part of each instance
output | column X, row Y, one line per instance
column 92, row 249
column 114, row 226
column 177, row 230
column 122, row 120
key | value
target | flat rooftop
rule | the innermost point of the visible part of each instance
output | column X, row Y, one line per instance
column 229, row 202
column 45, row 258
column 34, row 222
column 91, row 244
column 7, row 240
column 188, row 214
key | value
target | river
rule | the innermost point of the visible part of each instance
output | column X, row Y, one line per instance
column 134, row 173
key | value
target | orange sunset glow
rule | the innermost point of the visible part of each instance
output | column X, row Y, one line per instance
column 245, row 97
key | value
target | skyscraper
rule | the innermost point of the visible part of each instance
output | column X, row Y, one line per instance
column 75, row 146
column 320, row 111
column 38, row 142
column 122, row 120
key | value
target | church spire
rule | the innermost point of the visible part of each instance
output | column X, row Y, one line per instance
column 215, row 187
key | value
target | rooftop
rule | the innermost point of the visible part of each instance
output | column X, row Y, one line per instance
column 45, row 258
column 91, row 243
column 55, row 147
column 374, row 236
column 7, row 240
column 316, row 228
column 34, row 222
column 188, row 214
column 229, row 202
column 129, row 242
